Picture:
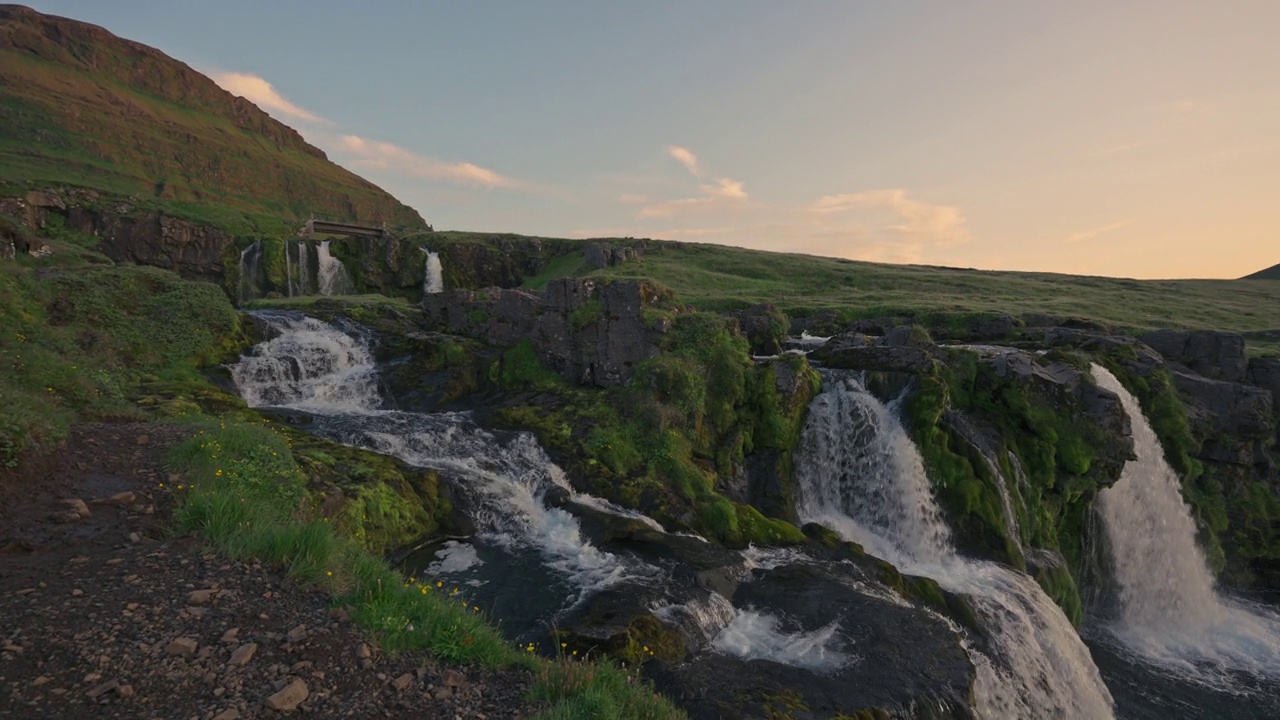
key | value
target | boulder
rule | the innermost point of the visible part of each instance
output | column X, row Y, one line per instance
column 765, row 328
column 1215, row 355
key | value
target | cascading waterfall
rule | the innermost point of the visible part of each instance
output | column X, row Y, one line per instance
column 309, row 365
column 433, row 277
column 288, row 271
column 250, row 259
column 313, row 366
column 860, row 474
column 332, row 275
column 1169, row 612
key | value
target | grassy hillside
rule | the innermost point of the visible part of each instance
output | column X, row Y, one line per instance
column 1271, row 273
column 719, row 278
column 82, row 107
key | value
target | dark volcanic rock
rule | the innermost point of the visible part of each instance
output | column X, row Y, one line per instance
column 592, row 333
column 765, row 328
column 1215, row 355
column 896, row 658
column 1235, row 418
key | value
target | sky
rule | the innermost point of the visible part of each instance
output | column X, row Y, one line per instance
column 1105, row 137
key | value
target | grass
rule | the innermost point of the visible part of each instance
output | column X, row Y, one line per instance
column 715, row 277
column 79, row 341
column 243, row 494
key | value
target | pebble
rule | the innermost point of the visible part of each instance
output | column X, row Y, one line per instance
column 182, row 647
column 290, row 697
column 243, row 654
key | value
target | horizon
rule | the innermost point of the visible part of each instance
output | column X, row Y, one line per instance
column 1112, row 139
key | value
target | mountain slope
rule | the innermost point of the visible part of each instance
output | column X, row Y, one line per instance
column 1271, row 273
column 82, row 107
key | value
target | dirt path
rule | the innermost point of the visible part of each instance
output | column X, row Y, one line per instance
column 102, row 615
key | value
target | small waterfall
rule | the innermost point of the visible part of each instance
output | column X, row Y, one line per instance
column 250, row 262
column 332, row 274
column 310, row 365
column 860, row 474
column 307, row 270
column 433, row 278
column 288, row 271
column 1170, row 613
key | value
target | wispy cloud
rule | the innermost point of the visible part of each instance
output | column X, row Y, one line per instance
column 258, row 91
column 913, row 220
column 379, row 155
column 1092, row 233
column 726, row 189
column 685, row 157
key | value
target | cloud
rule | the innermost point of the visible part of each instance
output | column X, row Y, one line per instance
column 633, row 199
column 685, row 156
column 913, row 220
column 1095, row 232
column 726, row 189
column 379, row 155
column 263, row 94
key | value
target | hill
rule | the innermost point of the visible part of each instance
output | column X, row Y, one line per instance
column 1271, row 273
column 82, row 107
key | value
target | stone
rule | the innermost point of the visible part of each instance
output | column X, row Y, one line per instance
column 228, row 714
column 298, row 634
column 363, row 652
column 243, row 654
column 125, row 691
column 121, row 498
column 288, row 699
column 77, row 506
column 143, row 439
column 42, row 680
column 200, row 597
column 403, row 682
column 1215, row 355
column 77, row 592
column 230, row 637
column 182, row 647
column 106, row 687
column 453, row 678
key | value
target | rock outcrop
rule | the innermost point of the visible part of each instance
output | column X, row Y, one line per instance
column 1214, row 355
column 594, row 334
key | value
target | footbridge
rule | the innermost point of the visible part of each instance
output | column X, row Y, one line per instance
column 327, row 227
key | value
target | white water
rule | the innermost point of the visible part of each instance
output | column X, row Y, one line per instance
column 332, row 274
column 433, row 277
column 249, row 259
column 310, row 366
column 860, row 474
column 1170, row 613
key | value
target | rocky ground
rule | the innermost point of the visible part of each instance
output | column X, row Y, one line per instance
column 102, row 614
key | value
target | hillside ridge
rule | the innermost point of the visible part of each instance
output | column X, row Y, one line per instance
column 82, row 107
column 1271, row 273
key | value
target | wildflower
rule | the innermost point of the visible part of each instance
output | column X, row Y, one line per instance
column 329, row 573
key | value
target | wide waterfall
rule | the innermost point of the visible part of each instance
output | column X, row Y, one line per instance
column 332, row 274
column 1169, row 612
column 860, row 474
column 433, row 277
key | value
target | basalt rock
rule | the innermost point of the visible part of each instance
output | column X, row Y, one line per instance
column 1215, row 355
column 594, row 334
column 765, row 328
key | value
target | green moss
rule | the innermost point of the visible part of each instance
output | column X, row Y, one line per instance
column 588, row 314
column 520, row 369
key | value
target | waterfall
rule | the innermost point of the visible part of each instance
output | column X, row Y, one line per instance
column 860, row 474
column 288, row 271
column 313, row 366
column 310, row 366
column 250, row 260
column 433, row 278
column 332, row 274
column 304, row 269
column 1169, row 612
